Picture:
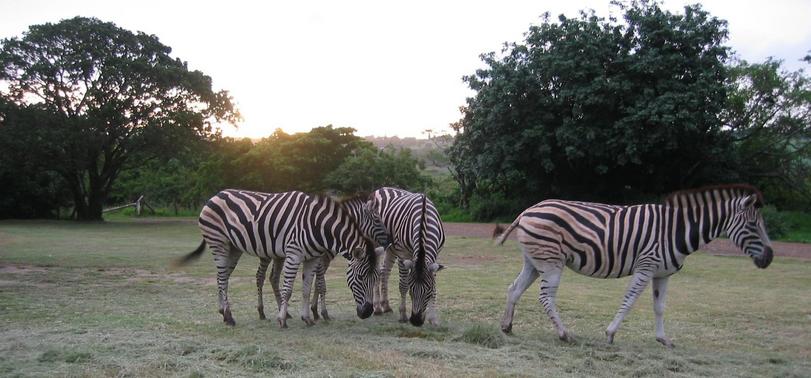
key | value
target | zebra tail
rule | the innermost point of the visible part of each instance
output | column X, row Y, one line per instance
column 194, row 255
column 501, row 235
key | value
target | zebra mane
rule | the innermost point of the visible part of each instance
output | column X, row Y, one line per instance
column 673, row 198
column 420, row 265
column 357, row 196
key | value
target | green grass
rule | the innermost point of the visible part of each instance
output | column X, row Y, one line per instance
column 97, row 299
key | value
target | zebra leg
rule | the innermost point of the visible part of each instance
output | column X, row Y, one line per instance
column 659, row 293
column 308, row 271
column 291, row 264
column 385, row 273
column 225, row 258
column 260, row 282
column 321, row 289
column 635, row 288
column 403, row 290
column 551, row 271
column 527, row 276
column 275, row 273
column 431, row 314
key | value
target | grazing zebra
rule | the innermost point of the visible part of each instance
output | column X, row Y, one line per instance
column 417, row 237
column 368, row 219
column 649, row 242
column 299, row 228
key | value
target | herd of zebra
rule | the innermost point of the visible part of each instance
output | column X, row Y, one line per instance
column 648, row 242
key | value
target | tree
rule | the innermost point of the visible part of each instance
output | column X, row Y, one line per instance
column 369, row 168
column 118, row 99
column 598, row 109
column 769, row 117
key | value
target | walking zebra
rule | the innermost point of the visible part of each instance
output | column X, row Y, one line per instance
column 649, row 242
column 368, row 219
column 417, row 238
column 299, row 228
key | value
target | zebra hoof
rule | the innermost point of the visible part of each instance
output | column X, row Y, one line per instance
column 666, row 342
column 227, row 318
column 282, row 323
column 566, row 338
column 507, row 329
column 325, row 316
column 315, row 313
column 308, row 321
column 609, row 337
column 262, row 314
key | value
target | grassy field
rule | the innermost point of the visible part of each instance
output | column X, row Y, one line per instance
column 99, row 300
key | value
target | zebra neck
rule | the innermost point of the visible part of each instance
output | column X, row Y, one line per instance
column 691, row 225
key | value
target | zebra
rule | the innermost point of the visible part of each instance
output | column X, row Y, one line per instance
column 417, row 238
column 368, row 219
column 649, row 242
column 299, row 228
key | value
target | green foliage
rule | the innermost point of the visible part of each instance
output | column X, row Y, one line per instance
column 799, row 226
column 777, row 223
column 113, row 98
column 370, row 168
column 591, row 108
column 769, row 116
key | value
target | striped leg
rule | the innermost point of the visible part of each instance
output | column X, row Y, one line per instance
column 527, row 276
column 225, row 258
column 308, row 272
column 431, row 315
column 388, row 263
column 550, row 272
column 260, row 282
column 320, row 292
column 291, row 264
column 635, row 288
column 659, row 293
column 275, row 273
column 403, row 289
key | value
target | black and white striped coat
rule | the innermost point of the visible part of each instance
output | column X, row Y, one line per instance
column 649, row 242
column 367, row 218
column 299, row 229
column 417, row 238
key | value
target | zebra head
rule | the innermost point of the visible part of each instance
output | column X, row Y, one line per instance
column 361, row 276
column 421, row 288
column 748, row 231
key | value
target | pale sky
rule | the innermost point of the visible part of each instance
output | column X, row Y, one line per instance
column 385, row 68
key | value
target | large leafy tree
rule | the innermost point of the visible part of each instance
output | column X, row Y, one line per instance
column 592, row 108
column 115, row 98
column 769, row 117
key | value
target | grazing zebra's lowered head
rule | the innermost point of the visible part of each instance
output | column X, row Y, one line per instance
column 744, row 225
column 361, row 276
column 353, row 244
column 422, row 280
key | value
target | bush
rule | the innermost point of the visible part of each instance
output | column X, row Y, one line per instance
column 777, row 224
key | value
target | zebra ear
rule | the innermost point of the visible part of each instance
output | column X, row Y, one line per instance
column 435, row 267
column 749, row 201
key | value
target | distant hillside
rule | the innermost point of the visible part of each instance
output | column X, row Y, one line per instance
column 427, row 150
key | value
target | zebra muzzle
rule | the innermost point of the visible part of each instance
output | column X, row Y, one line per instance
column 417, row 319
column 365, row 310
column 765, row 259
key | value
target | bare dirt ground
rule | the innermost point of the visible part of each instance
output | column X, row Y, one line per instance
column 716, row 247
